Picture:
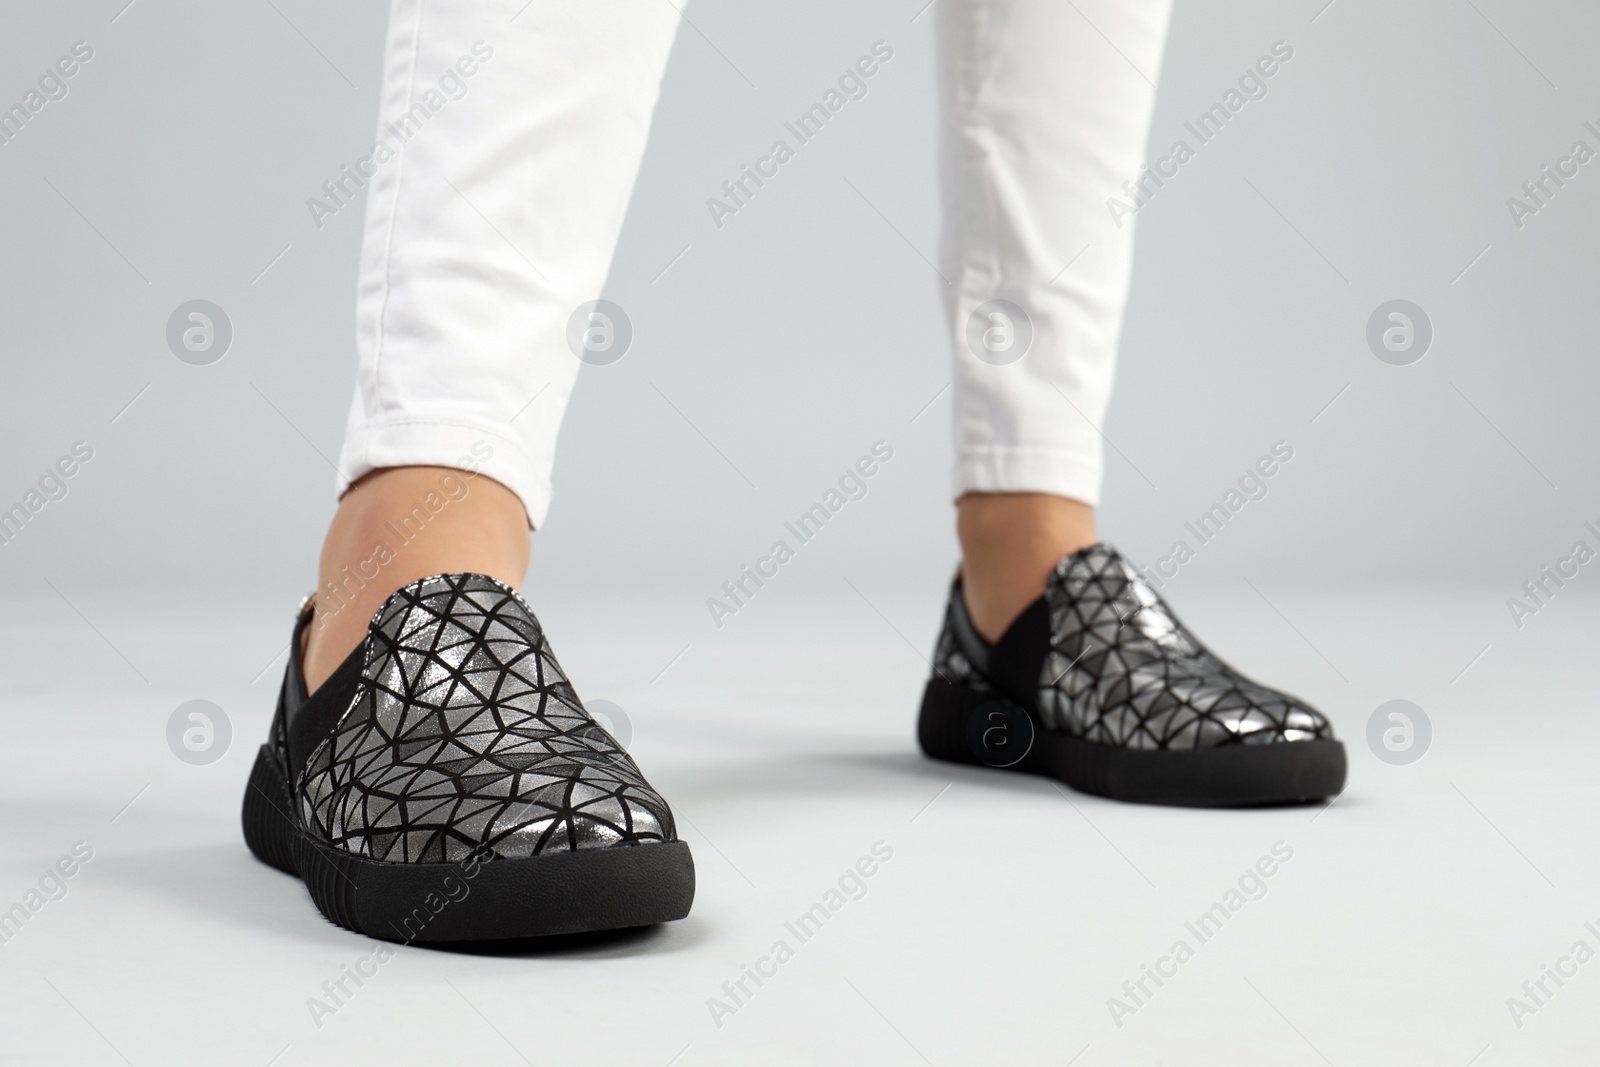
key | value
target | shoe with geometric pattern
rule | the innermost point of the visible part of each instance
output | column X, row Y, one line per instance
column 1099, row 685
column 446, row 783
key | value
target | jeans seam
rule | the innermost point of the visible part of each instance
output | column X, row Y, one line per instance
column 394, row 214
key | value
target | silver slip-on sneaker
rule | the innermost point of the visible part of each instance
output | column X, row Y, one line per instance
column 446, row 783
column 1099, row 685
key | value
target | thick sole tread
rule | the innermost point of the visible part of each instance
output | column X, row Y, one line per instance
column 953, row 717
column 552, row 893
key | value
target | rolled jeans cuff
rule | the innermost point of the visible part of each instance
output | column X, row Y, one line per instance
column 412, row 441
column 1076, row 475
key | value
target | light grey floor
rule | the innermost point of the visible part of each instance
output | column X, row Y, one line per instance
column 1009, row 913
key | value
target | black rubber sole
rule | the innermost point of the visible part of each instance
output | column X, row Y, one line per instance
column 554, row 893
column 961, row 725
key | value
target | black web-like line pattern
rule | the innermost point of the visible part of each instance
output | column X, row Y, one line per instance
column 465, row 735
column 1122, row 670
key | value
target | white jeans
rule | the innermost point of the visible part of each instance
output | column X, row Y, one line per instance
column 508, row 150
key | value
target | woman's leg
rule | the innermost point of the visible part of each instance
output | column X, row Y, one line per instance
column 509, row 138
column 1046, row 109
column 1056, row 656
column 436, row 725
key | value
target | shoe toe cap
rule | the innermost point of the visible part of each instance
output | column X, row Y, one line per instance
column 579, row 814
column 1272, row 717
column 1232, row 712
column 512, row 807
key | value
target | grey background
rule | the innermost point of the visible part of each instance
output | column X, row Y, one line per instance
column 808, row 327
column 1377, row 569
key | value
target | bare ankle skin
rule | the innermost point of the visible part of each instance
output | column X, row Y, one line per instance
column 399, row 524
column 1009, row 544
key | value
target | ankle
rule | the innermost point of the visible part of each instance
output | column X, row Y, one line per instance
column 1010, row 542
column 395, row 526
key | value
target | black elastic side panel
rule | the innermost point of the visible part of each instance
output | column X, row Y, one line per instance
column 316, row 717
column 1017, row 659
column 293, row 695
column 1013, row 663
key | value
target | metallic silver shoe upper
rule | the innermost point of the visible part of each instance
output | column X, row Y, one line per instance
column 465, row 735
column 1122, row 670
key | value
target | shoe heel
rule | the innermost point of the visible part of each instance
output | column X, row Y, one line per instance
column 267, row 816
column 944, row 712
column 963, row 725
